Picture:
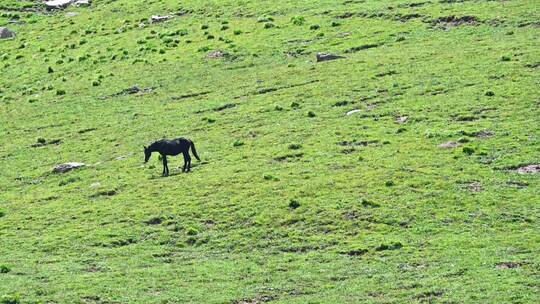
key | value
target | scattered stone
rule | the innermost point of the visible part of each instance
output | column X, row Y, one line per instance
column 95, row 185
column 475, row 187
column 156, row 18
column 507, row 265
column 42, row 142
column 345, row 34
column 326, row 57
column 356, row 252
column 363, row 143
column 217, row 54
column 402, row 119
column 131, row 90
column 122, row 157
column 58, row 4
column 518, row 184
column 484, row 134
column 154, row 221
column 449, row 145
column 63, row 168
column 530, row 169
column 6, row 33
column 353, row 111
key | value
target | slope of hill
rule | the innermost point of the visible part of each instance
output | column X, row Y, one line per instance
column 388, row 176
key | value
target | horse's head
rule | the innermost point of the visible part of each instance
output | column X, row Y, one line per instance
column 147, row 154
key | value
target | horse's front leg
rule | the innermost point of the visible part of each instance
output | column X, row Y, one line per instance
column 165, row 167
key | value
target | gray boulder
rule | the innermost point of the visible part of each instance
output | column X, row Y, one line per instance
column 6, row 33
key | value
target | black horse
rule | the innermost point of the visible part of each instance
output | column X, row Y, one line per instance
column 172, row 147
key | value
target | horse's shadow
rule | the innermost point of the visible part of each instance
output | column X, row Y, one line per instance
column 178, row 171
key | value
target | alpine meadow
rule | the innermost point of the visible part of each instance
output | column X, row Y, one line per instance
column 351, row 151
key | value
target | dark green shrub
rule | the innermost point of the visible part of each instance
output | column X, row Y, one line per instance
column 298, row 20
column 295, row 146
column 293, row 204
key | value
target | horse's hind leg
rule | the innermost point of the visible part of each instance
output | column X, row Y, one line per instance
column 187, row 162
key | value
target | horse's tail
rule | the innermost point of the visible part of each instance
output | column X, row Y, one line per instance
column 194, row 151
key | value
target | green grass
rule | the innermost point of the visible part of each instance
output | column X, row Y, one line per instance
column 294, row 201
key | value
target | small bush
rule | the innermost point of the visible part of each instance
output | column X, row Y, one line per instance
column 192, row 231
column 225, row 27
column 490, row 93
column 204, row 27
column 238, row 143
column 335, row 23
column 265, row 19
column 468, row 151
column 505, row 58
column 10, row 300
column 270, row 177
column 389, row 183
column 295, row 146
column 393, row 246
column 237, row 32
column 314, row 27
column 60, row 92
column 295, row 105
column 298, row 20
column 4, row 269
column 369, row 204
column 311, row 114
column 269, row 25
column 278, row 108
column 293, row 204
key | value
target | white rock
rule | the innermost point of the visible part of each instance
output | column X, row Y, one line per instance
column 156, row 18
column 82, row 3
column 58, row 4
column 62, row 168
column 353, row 111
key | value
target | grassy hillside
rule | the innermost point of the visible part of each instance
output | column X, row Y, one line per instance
column 294, row 201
